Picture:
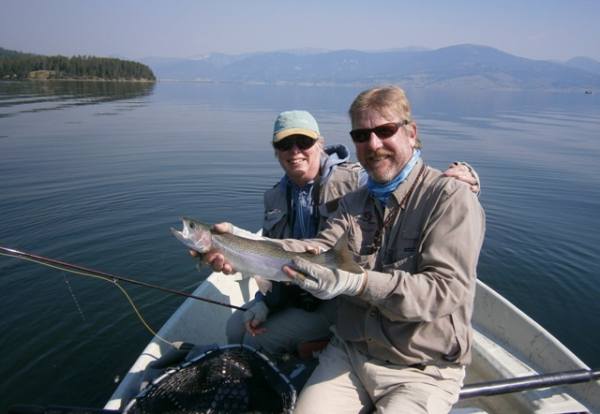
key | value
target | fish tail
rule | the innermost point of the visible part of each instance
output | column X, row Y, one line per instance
column 343, row 257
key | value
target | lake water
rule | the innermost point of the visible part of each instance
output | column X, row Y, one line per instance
column 96, row 174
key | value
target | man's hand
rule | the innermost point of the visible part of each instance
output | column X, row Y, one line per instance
column 254, row 317
column 325, row 283
column 215, row 259
column 465, row 173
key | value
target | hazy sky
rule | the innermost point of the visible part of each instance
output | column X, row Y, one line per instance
column 544, row 29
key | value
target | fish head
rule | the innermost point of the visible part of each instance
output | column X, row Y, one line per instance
column 194, row 234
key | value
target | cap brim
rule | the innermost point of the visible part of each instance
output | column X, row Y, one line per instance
column 295, row 131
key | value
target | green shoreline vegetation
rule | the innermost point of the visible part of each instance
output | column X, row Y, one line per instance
column 16, row 65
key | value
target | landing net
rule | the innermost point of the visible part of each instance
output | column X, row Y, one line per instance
column 229, row 379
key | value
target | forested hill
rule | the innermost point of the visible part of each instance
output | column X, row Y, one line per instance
column 21, row 66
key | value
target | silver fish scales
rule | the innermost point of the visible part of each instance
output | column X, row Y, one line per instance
column 264, row 257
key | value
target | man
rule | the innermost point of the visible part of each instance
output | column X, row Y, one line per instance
column 403, row 332
column 316, row 176
column 403, row 329
column 297, row 207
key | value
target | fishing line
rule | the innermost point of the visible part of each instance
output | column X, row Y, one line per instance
column 75, row 300
column 106, row 279
column 129, row 299
column 140, row 317
column 82, row 271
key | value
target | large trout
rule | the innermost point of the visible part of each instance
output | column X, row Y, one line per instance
column 264, row 257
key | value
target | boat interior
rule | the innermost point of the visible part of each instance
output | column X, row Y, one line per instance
column 507, row 344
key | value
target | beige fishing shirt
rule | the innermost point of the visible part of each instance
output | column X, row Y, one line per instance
column 417, row 304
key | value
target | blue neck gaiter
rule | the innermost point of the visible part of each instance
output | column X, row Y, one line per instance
column 382, row 191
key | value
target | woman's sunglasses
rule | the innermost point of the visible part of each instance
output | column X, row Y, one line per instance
column 301, row 141
column 382, row 131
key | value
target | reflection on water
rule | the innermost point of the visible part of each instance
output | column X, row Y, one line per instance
column 34, row 96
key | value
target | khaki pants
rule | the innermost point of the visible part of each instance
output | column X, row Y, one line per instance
column 347, row 381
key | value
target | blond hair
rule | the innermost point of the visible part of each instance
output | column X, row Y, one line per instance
column 388, row 101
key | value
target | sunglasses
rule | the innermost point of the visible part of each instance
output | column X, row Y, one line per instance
column 301, row 141
column 382, row 131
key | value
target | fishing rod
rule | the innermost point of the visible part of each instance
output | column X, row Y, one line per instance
column 71, row 268
column 510, row 385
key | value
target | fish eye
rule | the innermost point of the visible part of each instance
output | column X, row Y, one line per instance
column 192, row 225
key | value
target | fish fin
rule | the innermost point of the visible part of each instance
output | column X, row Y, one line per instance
column 264, row 285
column 344, row 258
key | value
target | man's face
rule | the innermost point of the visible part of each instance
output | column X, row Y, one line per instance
column 300, row 165
column 384, row 158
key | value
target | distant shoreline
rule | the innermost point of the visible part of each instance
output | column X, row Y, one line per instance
column 406, row 85
column 81, row 80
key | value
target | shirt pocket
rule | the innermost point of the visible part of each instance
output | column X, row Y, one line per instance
column 360, row 242
column 402, row 253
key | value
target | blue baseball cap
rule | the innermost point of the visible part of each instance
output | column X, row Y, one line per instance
column 295, row 123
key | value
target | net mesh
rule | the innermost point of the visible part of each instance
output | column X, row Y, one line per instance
column 230, row 379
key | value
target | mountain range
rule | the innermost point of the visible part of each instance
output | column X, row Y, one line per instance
column 467, row 65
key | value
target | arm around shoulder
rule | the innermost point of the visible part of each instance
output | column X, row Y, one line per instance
column 464, row 172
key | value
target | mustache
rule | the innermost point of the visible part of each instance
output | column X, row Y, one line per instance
column 379, row 153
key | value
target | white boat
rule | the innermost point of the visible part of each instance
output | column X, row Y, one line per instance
column 507, row 344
